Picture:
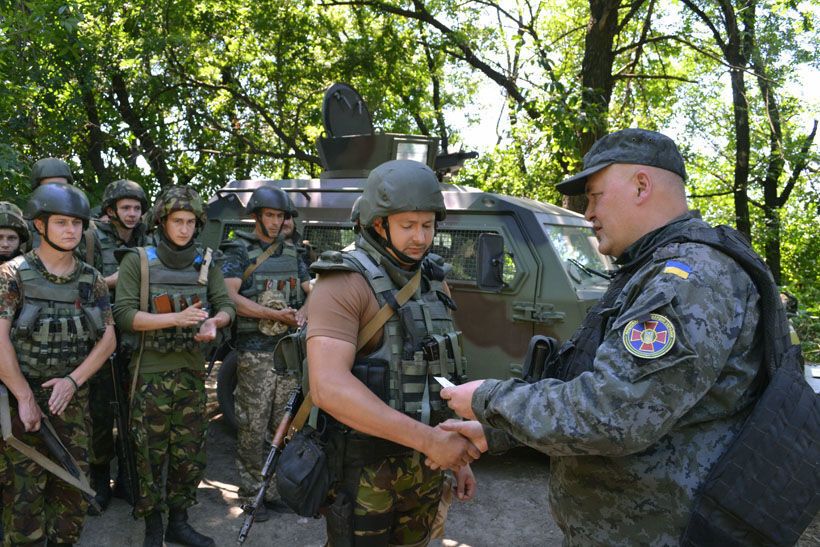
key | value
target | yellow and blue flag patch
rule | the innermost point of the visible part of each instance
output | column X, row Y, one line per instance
column 677, row 268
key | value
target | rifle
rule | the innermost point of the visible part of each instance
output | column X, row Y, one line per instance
column 280, row 438
column 121, row 408
column 66, row 469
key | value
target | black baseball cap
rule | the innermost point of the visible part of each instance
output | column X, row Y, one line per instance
column 639, row 146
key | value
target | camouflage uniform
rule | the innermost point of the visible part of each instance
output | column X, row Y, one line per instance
column 261, row 391
column 168, row 421
column 673, row 379
column 39, row 504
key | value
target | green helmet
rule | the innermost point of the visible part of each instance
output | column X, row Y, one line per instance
column 11, row 217
column 48, row 168
column 123, row 189
column 59, row 199
column 398, row 186
column 179, row 198
column 269, row 197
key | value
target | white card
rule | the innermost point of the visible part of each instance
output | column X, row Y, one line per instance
column 444, row 381
column 815, row 372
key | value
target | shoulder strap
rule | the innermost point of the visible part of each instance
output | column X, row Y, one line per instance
column 365, row 334
column 144, row 279
column 259, row 260
column 90, row 243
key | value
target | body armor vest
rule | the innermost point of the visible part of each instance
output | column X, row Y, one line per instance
column 108, row 242
column 277, row 273
column 182, row 288
column 57, row 324
column 577, row 354
column 419, row 341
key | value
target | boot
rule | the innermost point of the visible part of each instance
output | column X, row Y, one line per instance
column 101, row 483
column 179, row 531
column 153, row 530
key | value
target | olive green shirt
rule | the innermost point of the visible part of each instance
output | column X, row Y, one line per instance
column 127, row 306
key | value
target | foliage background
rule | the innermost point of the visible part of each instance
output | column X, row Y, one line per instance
column 204, row 91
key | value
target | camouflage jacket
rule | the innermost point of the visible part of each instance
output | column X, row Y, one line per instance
column 672, row 382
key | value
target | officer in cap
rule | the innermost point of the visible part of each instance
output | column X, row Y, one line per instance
column 13, row 231
column 651, row 390
column 123, row 203
column 187, row 304
column 56, row 330
column 379, row 401
column 269, row 284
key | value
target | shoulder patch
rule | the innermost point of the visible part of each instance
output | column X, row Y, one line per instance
column 649, row 339
column 677, row 268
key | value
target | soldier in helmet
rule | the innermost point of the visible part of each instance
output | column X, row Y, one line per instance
column 13, row 231
column 268, row 283
column 186, row 304
column 292, row 236
column 56, row 330
column 47, row 171
column 123, row 203
column 378, row 396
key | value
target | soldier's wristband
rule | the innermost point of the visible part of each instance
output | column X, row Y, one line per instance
column 73, row 382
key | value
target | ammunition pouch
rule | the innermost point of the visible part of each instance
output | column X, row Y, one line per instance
column 540, row 360
column 375, row 374
column 302, row 476
column 24, row 324
column 289, row 353
column 340, row 521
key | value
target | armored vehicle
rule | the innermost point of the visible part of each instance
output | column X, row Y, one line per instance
column 551, row 273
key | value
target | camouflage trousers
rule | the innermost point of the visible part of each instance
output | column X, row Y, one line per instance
column 168, row 424
column 101, row 393
column 260, row 398
column 396, row 503
column 37, row 505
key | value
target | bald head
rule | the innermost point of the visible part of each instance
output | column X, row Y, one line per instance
column 627, row 201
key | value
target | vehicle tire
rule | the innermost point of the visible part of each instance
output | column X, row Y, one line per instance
column 225, row 386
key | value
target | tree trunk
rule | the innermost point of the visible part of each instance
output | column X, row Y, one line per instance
column 596, row 79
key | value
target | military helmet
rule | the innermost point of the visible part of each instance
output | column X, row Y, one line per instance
column 11, row 217
column 398, row 186
column 59, row 199
column 269, row 197
column 48, row 168
column 179, row 198
column 123, row 189
column 355, row 211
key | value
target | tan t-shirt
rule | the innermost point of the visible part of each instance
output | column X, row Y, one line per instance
column 340, row 304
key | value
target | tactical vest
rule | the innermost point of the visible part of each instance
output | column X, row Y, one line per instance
column 183, row 289
column 278, row 273
column 57, row 324
column 419, row 341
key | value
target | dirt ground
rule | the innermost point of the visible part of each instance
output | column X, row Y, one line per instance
column 510, row 506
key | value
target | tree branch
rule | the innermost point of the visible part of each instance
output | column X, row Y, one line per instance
column 803, row 159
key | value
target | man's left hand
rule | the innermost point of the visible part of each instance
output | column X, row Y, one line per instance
column 207, row 331
column 460, row 398
column 466, row 483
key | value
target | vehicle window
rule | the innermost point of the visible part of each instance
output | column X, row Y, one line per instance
column 458, row 247
column 577, row 247
column 329, row 238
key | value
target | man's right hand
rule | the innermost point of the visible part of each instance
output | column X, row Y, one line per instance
column 29, row 413
column 286, row 316
column 191, row 316
column 450, row 450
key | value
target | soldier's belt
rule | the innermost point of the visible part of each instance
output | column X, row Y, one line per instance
column 81, row 482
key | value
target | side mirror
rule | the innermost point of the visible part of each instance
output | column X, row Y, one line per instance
column 490, row 262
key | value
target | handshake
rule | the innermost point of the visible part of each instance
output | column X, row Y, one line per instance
column 456, row 443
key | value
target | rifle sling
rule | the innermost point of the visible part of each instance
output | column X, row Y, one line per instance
column 144, row 279
column 272, row 248
column 33, row 454
column 365, row 334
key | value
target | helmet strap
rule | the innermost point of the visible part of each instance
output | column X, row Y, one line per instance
column 387, row 244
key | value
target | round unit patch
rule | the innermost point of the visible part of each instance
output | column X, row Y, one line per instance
column 649, row 339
